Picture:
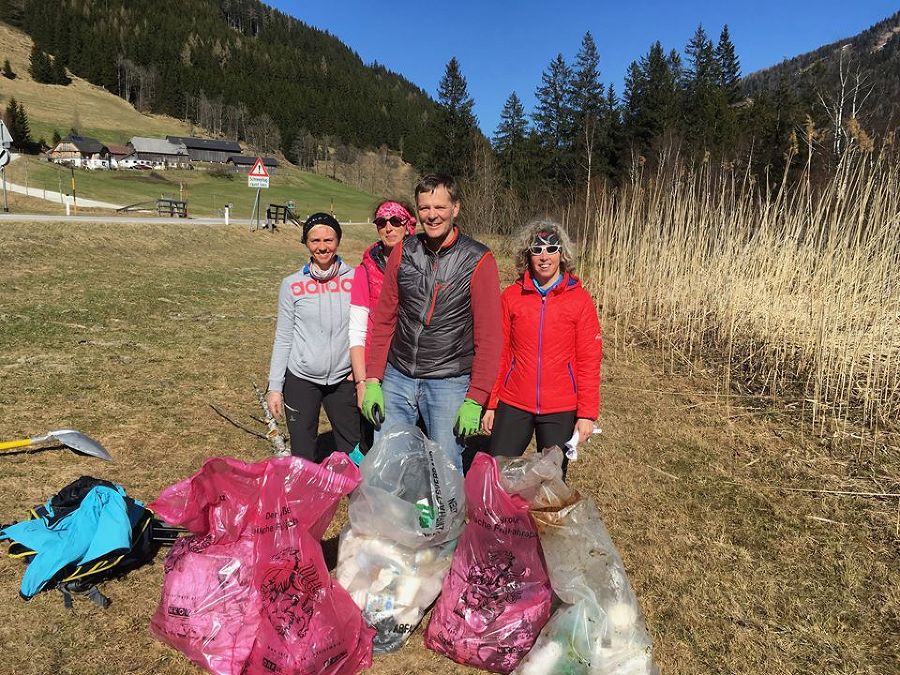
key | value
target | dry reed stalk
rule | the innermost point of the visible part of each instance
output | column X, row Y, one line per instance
column 796, row 290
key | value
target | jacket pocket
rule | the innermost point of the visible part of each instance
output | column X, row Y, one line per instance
column 509, row 372
column 572, row 378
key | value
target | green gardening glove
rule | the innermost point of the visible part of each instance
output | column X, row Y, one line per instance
column 468, row 419
column 373, row 404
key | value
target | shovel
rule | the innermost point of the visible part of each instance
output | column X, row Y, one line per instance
column 74, row 440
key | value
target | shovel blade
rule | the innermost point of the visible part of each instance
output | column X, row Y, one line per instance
column 80, row 443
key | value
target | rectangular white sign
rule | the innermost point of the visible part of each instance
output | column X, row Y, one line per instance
column 257, row 182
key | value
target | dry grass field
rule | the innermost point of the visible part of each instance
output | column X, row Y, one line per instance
column 127, row 332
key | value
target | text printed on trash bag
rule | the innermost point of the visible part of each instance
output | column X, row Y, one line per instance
column 505, row 526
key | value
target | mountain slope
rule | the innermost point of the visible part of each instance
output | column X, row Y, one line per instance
column 89, row 108
column 237, row 67
column 870, row 59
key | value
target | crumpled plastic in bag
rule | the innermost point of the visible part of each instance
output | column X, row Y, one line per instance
column 249, row 592
column 496, row 598
column 393, row 585
column 405, row 519
column 411, row 492
column 599, row 631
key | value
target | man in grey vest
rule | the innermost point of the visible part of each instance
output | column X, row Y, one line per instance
column 436, row 339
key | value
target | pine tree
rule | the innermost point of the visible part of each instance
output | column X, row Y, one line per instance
column 56, row 137
column 704, row 69
column 729, row 67
column 587, row 90
column 588, row 105
column 458, row 122
column 705, row 101
column 11, row 12
column 611, row 142
column 509, row 142
column 553, row 119
column 17, row 121
column 8, row 71
column 651, row 98
column 58, row 73
column 40, row 66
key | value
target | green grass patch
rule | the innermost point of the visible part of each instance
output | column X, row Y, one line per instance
column 205, row 192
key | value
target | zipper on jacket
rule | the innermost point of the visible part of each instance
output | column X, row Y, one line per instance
column 433, row 289
column 434, row 293
column 572, row 377
column 426, row 316
column 540, row 351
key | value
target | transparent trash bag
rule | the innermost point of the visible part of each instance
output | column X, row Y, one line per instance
column 249, row 592
column 405, row 519
column 496, row 598
column 411, row 493
column 599, row 629
column 393, row 585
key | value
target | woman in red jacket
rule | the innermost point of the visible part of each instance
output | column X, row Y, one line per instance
column 549, row 380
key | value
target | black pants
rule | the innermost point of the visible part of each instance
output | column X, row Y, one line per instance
column 366, row 435
column 513, row 428
column 302, row 402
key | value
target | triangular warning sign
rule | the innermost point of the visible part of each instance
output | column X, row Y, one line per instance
column 259, row 169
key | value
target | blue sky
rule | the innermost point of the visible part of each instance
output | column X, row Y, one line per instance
column 505, row 46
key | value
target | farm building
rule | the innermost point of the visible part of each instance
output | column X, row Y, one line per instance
column 117, row 153
column 158, row 152
column 207, row 150
column 80, row 151
column 243, row 163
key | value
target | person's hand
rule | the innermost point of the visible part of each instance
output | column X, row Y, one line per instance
column 468, row 419
column 585, row 428
column 373, row 404
column 360, row 394
column 487, row 422
column 275, row 404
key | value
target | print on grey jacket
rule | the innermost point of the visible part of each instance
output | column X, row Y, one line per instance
column 311, row 336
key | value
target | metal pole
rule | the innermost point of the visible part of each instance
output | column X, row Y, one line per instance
column 255, row 212
column 5, row 199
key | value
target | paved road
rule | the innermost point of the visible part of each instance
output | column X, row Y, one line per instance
column 50, row 218
column 119, row 218
column 57, row 197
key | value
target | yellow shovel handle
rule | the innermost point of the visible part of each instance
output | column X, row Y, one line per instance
column 9, row 445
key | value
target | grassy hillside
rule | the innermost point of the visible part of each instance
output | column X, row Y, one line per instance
column 264, row 66
column 92, row 110
column 205, row 192
column 97, row 113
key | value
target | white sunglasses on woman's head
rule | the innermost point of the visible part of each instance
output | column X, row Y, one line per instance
column 549, row 249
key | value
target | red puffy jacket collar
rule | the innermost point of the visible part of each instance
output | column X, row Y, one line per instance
column 569, row 281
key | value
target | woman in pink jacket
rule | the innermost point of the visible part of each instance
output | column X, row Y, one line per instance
column 549, row 379
column 394, row 220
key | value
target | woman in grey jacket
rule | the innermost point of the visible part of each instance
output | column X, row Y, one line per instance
column 310, row 363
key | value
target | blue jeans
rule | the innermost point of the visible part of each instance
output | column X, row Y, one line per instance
column 438, row 401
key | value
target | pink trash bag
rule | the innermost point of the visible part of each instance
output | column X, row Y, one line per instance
column 250, row 592
column 496, row 598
